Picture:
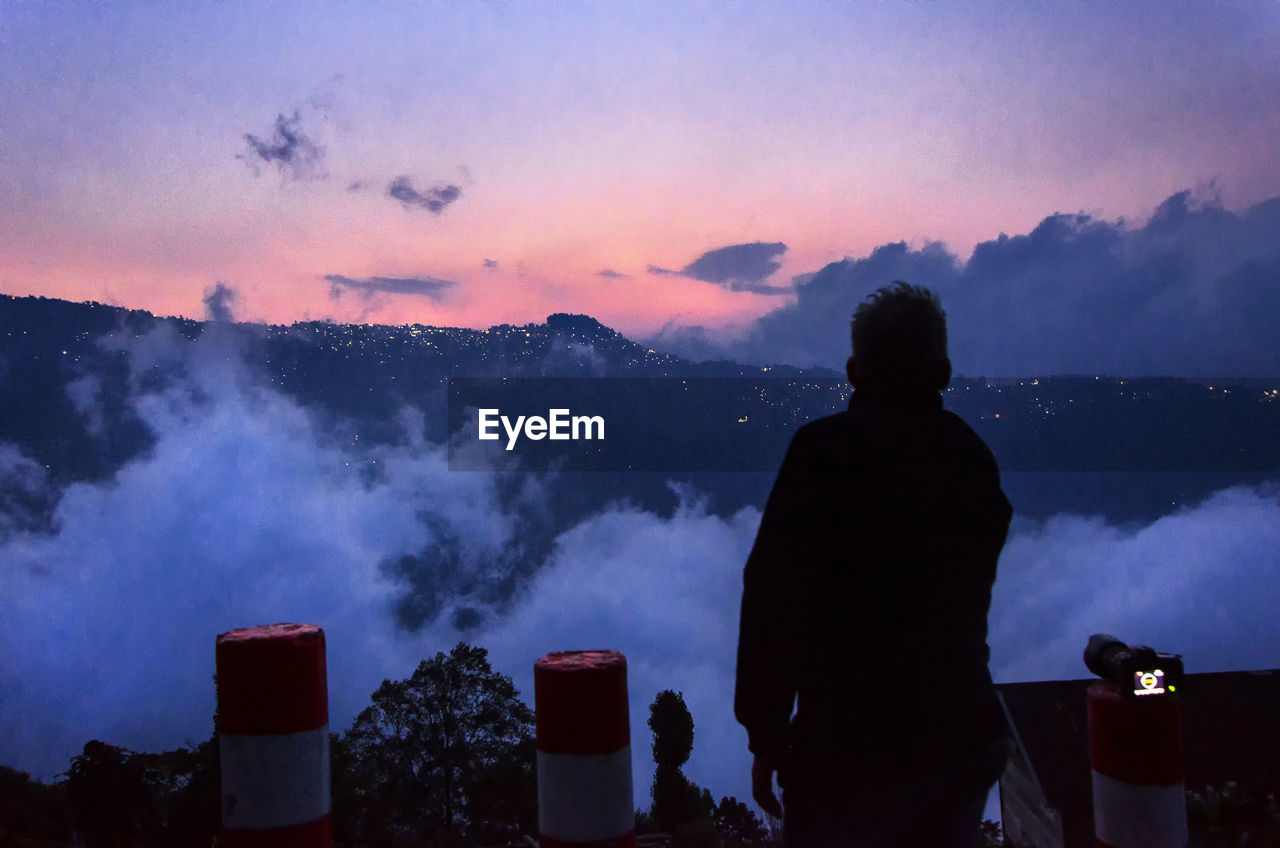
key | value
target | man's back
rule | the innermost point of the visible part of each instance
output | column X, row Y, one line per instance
column 865, row 602
column 872, row 577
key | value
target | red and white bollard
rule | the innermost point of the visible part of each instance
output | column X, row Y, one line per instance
column 273, row 735
column 1138, row 776
column 584, row 750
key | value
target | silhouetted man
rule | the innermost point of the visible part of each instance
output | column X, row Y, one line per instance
column 865, row 605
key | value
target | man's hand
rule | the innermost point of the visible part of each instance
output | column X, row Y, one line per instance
column 762, row 769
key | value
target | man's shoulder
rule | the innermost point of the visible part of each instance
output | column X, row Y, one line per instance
column 840, row 428
column 963, row 433
column 941, row 428
column 840, row 422
column 852, row 420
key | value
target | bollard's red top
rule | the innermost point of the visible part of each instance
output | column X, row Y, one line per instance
column 271, row 631
column 580, row 701
column 600, row 658
column 272, row 679
column 1136, row 740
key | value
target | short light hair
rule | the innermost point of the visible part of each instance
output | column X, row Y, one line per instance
column 899, row 334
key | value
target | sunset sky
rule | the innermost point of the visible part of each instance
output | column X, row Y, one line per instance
column 478, row 163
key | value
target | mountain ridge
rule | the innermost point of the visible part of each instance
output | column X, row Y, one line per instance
column 71, row 373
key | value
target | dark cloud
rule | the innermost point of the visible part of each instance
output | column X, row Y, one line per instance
column 737, row 267
column 433, row 200
column 491, row 263
column 358, row 185
column 612, row 274
column 217, row 303
column 288, row 148
column 1193, row 292
column 740, row 267
column 370, row 286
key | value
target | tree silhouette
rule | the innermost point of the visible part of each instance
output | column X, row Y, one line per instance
column 30, row 811
column 680, row 807
column 672, row 727
column 109, row 801
column 187, row 787
column 737, row 824
column 445, row 755
column 443, row 758
column 676, row 801
column 121, row 797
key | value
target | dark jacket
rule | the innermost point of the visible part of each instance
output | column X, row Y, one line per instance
column 867, row 589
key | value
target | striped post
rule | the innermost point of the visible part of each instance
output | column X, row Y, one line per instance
column 1136, row 752
column 584, row 750
column 273, row 737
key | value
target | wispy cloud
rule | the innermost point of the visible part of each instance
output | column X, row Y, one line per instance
column 218, row 301
column 434, row 199
column 612, row 274
column 288, row 148
column 431, row 287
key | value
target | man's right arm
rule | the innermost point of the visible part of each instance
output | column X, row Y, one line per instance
column 767, row 645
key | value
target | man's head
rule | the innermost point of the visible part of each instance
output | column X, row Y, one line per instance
column 899, row 336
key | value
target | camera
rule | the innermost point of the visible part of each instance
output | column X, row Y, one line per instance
column 1139, row 671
